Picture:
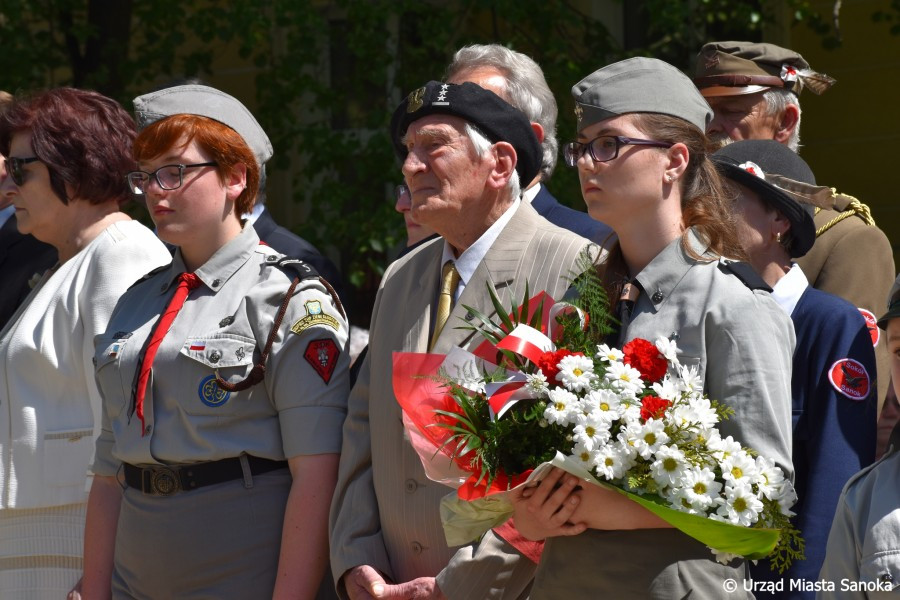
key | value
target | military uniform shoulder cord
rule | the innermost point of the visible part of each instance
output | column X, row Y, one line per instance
column 855, row 207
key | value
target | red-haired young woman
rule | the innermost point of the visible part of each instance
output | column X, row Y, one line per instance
column 224, row 391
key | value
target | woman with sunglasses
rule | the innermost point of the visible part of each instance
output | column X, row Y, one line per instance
column 66, row 151
column 224, row 384
column 642, row 159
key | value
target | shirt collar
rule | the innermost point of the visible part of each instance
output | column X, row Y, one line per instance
column 659, row 278
column 472, row 256
column 253, row 215
column 531, row 193
column 787, row 291
column 221, row 265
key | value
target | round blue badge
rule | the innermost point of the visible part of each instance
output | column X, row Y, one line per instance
column 211, row 394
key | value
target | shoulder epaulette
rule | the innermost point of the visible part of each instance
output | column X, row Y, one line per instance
column 846, row 206
column 149, row 275
column 301, row 269
column 745, row 273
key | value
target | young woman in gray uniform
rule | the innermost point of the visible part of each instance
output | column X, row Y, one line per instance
column 642, row 160
column 221, row 421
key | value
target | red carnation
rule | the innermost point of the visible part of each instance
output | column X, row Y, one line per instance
column 548, row 363
column 653, row 407
column 646, row 358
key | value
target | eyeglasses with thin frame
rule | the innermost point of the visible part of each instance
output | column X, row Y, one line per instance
column 169, row 177
column 15, row 167
column 605, row 148
column 400, row 191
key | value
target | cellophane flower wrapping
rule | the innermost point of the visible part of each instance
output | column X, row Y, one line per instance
column 632, row 419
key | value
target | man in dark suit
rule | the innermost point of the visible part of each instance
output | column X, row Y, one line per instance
column 22, row 257
column 519, row 80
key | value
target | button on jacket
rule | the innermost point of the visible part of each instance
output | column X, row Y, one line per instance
column 742, row 343
column 299, row 407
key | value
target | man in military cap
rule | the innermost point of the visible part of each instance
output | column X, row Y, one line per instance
column 520, row 81
column 753, row 89
column 465, row 152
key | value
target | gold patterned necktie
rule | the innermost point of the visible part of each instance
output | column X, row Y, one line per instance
column 449, row 282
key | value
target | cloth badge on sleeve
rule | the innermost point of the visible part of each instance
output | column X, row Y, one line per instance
column 322, row 355
column 850, row 378
column 871, row 325
column 211, row 394
column 314, row 316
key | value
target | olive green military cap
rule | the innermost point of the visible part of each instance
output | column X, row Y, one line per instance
column 638, row 85
column 736, row 68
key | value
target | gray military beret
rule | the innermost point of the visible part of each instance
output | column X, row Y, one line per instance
column 637, row 85
column 207, row 102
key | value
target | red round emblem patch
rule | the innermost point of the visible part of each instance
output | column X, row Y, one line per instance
column 871, row 325
column 850, row 378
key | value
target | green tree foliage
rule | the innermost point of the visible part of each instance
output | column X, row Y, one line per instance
column 329, row 73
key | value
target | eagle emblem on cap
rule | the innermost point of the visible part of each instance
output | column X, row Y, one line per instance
column 414, row 100
column 578, row 112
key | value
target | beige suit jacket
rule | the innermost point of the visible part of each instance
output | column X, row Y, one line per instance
column 385, row 510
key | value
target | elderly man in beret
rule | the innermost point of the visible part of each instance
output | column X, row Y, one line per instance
column 754, row 89
column 520, row 81
column 465, row 152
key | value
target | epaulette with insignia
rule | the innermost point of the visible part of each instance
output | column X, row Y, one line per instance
column 304, row 271
column 149, row 275
column 745, row 273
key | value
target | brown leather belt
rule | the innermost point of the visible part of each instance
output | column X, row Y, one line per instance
column 170, row 479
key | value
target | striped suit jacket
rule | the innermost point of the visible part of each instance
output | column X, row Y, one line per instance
column 385, row 511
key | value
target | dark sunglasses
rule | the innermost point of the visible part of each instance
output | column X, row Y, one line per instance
column 15, row 167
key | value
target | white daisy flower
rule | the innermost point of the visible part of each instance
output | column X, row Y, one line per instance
column 690, row 379
column 699, row 414
column 605, row 353
column 624, row 378
column 559, row 406
column 604, row 402
column 786, row 497
column 592, row 434
column 668, row 467
column 679, row 499
column 739, row 467
column 700, row 487
column 586, row 456
column 537, row 382
column 576, row 373
column 667, row 389
column 740, row 505
column 769, row 478
column 613, row 461
column 668, row 348
column 647, row 438
column 722, row 448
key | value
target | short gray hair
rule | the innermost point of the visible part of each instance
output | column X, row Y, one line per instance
column 482, row 146
column 777, row 99
column 526, row 89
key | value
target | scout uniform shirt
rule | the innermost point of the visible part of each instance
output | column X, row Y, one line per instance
column 742, row 343
column 298, row 408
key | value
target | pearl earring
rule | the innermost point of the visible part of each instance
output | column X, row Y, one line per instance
column 778, row 237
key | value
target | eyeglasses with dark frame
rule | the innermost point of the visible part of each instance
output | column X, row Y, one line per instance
column 15, row 168
column 605, row 148
column 169, row 177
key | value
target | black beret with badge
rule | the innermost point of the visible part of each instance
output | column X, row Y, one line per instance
column 490, row 114
column 736, row 68
column 751, row 163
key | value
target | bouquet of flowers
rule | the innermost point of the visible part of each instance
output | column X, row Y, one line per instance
column 634, row 420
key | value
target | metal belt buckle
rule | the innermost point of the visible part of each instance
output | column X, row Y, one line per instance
column 164, row 481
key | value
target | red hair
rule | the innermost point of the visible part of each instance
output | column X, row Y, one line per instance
column 227, row 148
column 83, row 137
